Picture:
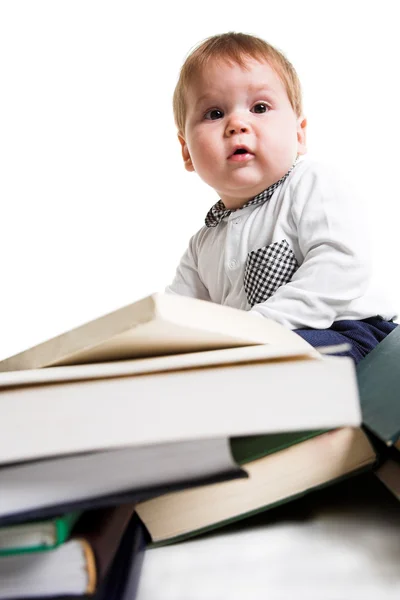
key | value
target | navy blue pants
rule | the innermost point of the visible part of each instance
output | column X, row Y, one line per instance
column 363, row 335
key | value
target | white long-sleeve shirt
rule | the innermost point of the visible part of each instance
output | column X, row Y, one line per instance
column 300, row 258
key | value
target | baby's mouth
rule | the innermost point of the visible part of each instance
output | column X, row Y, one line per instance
column 241, row 153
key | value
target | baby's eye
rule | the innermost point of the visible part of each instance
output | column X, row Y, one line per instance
column 214, row 114
column 260, row 108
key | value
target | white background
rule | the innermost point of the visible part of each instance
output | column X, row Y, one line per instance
column 96, row 208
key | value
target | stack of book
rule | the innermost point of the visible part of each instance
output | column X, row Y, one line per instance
column 96, row 553
column 157, row 422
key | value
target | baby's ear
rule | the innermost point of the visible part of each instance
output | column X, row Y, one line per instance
column 187, row 161
column 301, row 135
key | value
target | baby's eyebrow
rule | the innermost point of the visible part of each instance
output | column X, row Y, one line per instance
column 204, row 98
column 254, row 89
column 261, row 88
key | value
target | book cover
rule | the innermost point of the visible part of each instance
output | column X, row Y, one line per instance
column 37, row 536
column 389, row 474
column 156, row 325
column 124, row 576
column 378, row 377
column 248, row 448
column 13, row 514
column 102, row 529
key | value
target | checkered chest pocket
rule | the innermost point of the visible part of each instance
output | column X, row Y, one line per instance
column 267, row 269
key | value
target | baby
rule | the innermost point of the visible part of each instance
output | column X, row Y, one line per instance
column 283, row 241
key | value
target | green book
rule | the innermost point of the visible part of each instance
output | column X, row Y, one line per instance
column 280, row 467
column 37, row 536
column 379, row 387
column 379, row 384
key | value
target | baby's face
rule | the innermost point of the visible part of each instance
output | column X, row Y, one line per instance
column 241, row 133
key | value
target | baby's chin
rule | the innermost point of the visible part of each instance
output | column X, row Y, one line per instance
column 237, row 197
column 237, row 200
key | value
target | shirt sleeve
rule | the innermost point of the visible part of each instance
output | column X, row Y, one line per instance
column 335, row 269
column 187, row 281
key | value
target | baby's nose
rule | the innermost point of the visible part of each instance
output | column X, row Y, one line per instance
column 236, row 125
column 242, row 129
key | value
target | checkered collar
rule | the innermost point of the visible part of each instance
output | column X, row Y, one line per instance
column 219, row 212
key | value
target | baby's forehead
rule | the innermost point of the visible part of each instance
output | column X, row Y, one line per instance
column 208, row 72
column 244, row 61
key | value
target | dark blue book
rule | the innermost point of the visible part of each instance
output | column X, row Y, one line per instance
column 45, row 488
column 128, row 497
column 122, row 581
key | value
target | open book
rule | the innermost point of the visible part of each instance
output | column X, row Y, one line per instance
column 159, row 324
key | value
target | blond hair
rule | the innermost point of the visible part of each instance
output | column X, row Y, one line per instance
column 234, row 48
